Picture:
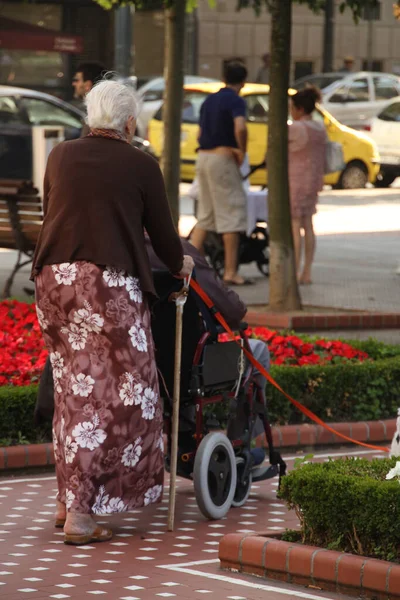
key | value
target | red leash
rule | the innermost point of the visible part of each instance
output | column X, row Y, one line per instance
column 208, row 302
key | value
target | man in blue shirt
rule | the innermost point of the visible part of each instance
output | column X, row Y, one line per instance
column 223, row 143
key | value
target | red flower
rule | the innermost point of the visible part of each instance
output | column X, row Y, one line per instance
column 23, row 353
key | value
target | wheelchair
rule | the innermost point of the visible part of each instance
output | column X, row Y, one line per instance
column 222, row 465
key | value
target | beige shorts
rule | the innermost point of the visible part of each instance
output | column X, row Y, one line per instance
column 222, row 203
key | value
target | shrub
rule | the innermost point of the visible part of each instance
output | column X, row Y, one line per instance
column 347, row 505
column 17, row 406
column 341, row 392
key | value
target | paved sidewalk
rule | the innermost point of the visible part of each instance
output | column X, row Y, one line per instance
column 143, row 561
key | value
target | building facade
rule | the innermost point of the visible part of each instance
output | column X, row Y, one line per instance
column 223, row 32
column 61, row 33
column 214, row 35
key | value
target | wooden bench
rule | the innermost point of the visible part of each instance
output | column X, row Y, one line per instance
column 21, row 216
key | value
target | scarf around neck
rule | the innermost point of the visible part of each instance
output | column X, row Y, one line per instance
column 111, row 134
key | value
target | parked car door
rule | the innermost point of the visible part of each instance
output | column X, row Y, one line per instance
column 351, row 103
column 257, row 126
column 386, row 87
column 385, row 131
column 42, row 112
column 15, row 141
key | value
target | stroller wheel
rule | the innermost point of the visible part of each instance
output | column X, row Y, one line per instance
column 214, row 475
column 242, row 491
column 218, row 262
column 263, row 267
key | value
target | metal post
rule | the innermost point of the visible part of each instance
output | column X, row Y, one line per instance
column 370, row 38
column 191, row 57
column 123, row 41
column 329, row 36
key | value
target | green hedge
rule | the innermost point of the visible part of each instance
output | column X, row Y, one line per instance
column 341, row 392
column 347, row 505
column 17, row 406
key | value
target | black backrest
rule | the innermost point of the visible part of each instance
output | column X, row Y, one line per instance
column 221, row 364
column 163, row 327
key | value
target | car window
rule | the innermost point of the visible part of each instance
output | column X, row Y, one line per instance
column 385, row 88
column 9, row 112
column 153, row 90
column 391, row 113
column 257, row 108
column 357, row 91
column 41, row 112
column 320, row 81
column 192, row 102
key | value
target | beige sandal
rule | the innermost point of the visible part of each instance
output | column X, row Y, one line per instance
column 98, row 535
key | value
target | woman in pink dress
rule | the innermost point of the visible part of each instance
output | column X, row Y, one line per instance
column 307, row 146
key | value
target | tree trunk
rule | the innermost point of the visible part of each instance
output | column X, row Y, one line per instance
column 329, row 37
column 172, row 111
column 284, row 292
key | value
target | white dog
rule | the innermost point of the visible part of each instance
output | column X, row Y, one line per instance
column 395, row 447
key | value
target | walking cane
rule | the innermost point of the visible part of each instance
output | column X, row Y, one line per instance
column 180, row 300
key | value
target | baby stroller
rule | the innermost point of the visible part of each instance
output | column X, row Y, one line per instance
column 254, row 243
column 214, row 374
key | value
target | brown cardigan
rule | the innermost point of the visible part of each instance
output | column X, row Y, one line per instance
column 99, row 195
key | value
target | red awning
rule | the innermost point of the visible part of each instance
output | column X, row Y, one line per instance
column 16, row 35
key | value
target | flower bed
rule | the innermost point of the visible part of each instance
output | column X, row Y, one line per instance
column 23, row 355
column 339, row 381
column 22, row 351
column 292, row 350
column 347, row 505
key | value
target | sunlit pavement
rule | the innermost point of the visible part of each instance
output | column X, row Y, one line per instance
column 358, row 252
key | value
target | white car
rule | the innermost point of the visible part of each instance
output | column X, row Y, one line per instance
column 354, row 98
column 384, row 129
column 151, row 98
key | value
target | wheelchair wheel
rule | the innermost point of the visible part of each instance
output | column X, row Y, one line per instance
column 214, row 475
column 242, row 491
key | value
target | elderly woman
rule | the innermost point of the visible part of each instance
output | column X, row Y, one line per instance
column 307, row 149
column 92, row 280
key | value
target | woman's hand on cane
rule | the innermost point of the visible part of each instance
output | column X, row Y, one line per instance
column 187, row 267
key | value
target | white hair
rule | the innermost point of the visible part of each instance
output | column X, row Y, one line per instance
column 110, row 104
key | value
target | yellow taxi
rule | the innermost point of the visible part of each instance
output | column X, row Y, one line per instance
column 360, row 153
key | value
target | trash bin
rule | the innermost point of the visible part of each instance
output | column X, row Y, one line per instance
column 44, row 139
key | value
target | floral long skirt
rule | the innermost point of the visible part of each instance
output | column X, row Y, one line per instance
column 108, row 422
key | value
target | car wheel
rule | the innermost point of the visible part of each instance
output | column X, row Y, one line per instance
column 354, row 176
column 384, row 180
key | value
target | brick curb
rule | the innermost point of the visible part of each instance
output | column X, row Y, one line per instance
column 29, row 455
column 286, row 436
column 307, row 565
column 297, row 436
column 324, row 321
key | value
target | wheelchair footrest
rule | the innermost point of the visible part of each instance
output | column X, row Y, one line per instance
column 263, row 473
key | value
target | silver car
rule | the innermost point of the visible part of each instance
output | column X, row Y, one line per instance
column 353, row 98
column 20, row 110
